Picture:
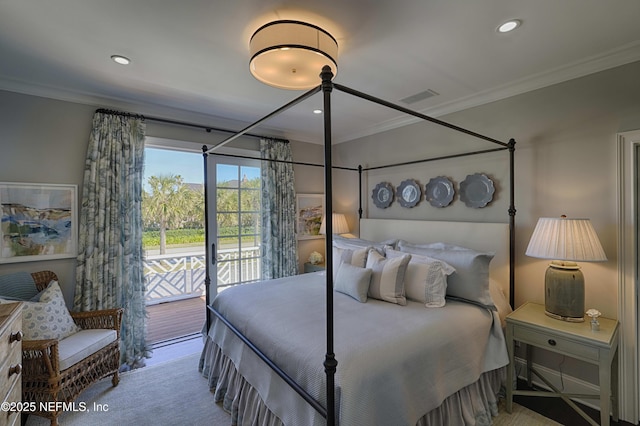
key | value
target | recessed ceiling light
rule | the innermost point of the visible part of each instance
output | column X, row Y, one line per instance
column 121, row 59
column 509, row 26
column 317, row 111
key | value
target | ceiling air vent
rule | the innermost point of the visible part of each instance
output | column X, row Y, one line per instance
column 419, row 97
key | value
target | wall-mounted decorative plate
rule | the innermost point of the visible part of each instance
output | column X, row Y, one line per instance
column 439, row 192
column 476, row 190
column 382, row 195
column 409, row 193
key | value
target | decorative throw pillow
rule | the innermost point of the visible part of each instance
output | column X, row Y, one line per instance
column 357, row 257
column 49, row 318
column 353, row 281
column 470, row 280
column 425, row 279
column 387, row 277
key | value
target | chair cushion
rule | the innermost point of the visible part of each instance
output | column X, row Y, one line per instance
column 17, row 286
column 80, row 345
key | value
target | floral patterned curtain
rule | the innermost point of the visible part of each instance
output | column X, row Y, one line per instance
column 109, row 270
column 279, row 246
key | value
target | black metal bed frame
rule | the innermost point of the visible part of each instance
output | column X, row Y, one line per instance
column 330, row 362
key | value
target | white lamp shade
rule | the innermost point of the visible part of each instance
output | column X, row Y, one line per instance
column 338, row 223
column 291, row 54
column 565, row 239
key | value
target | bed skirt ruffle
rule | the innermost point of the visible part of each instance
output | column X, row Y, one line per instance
column 475, row 404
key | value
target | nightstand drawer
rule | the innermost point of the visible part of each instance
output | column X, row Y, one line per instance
column 556, row 344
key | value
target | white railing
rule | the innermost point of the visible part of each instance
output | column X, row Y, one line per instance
column 180, row 276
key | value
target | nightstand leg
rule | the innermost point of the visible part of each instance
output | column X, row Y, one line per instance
column 614, row 387
column 605, row 389
column 529, row 364
column 510, row 369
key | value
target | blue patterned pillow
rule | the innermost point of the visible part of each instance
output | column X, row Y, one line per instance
column 17, row 286
column 49, row 318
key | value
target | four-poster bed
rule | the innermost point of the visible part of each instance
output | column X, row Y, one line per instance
column 240, row 337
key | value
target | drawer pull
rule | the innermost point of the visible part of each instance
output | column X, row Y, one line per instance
column 15, row 369
column 552, row 342
column 16, row 337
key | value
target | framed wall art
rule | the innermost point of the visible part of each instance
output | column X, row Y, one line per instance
column 309, row 211
column 38, row 222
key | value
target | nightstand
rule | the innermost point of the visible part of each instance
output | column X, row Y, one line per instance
column 310, row 267
column 529, row 325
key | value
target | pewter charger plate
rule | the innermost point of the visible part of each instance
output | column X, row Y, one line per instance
column 439, row 191
column 409, row 193
column 476, row 190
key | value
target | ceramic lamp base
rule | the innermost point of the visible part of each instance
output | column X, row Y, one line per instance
column 564, row 292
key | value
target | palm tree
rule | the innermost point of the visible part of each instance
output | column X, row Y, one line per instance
column 167, row 204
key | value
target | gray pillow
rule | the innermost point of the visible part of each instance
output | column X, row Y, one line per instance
column 353, row 281
column 471, row 277
column 17, row 286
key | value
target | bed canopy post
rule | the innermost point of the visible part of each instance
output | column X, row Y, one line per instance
column 207, row 278
column 330, row 363
column 360, row 191
column 512, row 222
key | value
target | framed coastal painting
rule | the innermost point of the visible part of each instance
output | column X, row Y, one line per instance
column 38, row 222
column 309, row 211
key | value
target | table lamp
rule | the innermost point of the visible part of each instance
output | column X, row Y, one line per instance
column 338, row 223
column 565, row 241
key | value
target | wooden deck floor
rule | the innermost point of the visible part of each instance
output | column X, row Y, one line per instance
column 172, row 320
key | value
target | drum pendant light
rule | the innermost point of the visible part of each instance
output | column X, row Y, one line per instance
column 290, row 54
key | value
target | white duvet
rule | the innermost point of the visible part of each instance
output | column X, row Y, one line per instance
column 395, row 363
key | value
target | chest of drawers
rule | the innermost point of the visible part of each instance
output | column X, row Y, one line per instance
column 10, row 361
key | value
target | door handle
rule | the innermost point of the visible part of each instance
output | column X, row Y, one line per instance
column 213, row 253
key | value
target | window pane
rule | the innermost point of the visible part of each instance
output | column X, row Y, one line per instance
column 250, row 223
column 250, row 200
column 250, row 177
column 227, row 200
column 227, row 176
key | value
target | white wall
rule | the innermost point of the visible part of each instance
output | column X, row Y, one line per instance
column 565, row 164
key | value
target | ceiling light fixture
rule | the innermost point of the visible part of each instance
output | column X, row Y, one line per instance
column 122, row 60
column 290, row 54
column 509, row 26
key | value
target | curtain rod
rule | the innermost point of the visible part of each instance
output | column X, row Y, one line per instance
column 208, row 129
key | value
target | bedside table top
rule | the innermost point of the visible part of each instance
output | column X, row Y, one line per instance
column 532, row 315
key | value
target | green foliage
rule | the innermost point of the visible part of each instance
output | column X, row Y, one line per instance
column 174, row 237
column 171, row 206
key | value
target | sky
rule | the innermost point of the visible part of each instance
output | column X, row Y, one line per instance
column 189, row 165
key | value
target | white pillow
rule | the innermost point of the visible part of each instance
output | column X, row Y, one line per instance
column 357, row 257
column 357, row 243
column 49, row 318
column 353, row 281
column 425, row 279
column 387, row 277
column 470, row 281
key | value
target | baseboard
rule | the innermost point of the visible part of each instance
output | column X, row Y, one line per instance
column 562, row 381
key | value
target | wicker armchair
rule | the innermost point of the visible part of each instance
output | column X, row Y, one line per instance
column 42, row 380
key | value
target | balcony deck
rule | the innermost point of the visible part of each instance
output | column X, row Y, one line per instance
column 172, row 320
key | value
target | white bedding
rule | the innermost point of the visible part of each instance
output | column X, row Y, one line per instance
column 395, row 363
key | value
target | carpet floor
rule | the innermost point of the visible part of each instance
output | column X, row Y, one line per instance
column 175, row 393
